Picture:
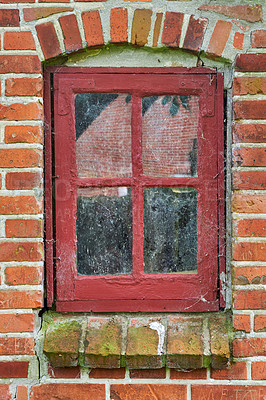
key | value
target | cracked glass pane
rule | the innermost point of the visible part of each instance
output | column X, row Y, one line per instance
column 104, row 231
column 103, row 135
column 170, row 230
column 169, row 135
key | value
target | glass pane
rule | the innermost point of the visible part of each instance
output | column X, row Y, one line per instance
column 103, row 135
column 169, row 135
column 104, row 231
column 170, row 230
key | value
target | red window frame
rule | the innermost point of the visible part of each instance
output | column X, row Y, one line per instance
column 138, row 291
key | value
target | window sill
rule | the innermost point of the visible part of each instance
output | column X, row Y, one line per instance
column 176, row 341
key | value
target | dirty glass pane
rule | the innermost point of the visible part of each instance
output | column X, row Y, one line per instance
column 170, row 230
column 103, row 135
column 169, row 135
column 104, row 231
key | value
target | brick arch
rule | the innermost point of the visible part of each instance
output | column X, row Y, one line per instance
column 164, row 29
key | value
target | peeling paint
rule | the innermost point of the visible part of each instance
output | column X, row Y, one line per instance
column 223, row 284
column 157, row 326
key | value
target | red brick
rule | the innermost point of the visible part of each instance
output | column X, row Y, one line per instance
column 14, row 369
column 260, row 323
column 248, row 203
column 24, row 87
column 102, row 373
column 249, row 85
column 24, row 227
column 242, row 322
column 141, row 392
column 248, row 13
column 80, row 391
column 19, row 158
column 61, row 344
column 99, row 331
column 184, row 342
column 249, row 179
column 19, row 205
column 249, row 275
column 249, row 347
column 19, row 41
column 249, row 251
column 226, row 392
column 193, row 374
column 32, row 14
column 250, row 109
column 23, row 276
column 249, row 157
column 19, row 64
column 159, row 373
column 9, row 17
column 157, row 29
column 15, row 251
column 251, row 62
column 64, row 373
column 25, row 299
column 4, row 392
column 23, row 134
column 142, row 345
column 195, row 33
column 258, row 38
column 258, row 370
column 16, row 345
column 219, row 38
column 118, row 22
column 16, row 323
column 249, row 133
column 23, row 180
column 249, row 227
column 172, row 29
column 48, row 40
column 22, row 392
column 244, row 28
column 21, row 112
column 71, row 33
column 238, row 40
column 93, row 28
column 141, row 26
column 253, row 299
column 236, row 371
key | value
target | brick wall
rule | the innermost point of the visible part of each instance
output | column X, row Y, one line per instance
column 33, row 31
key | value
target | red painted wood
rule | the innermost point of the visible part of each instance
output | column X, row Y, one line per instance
column 167, row 291
column 48, row 205
column 137, row 203
column 65, row 191
column 221, row 187
column 132, row 70
column 118, row 305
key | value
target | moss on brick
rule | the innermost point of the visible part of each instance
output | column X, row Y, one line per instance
column 102, row 345
column 61, row 344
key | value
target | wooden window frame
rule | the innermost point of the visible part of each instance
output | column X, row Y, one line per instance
column 139, row 291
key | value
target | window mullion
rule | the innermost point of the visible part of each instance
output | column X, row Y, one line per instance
column 137, row 200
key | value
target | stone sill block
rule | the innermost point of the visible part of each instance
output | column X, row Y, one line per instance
column 176, row 341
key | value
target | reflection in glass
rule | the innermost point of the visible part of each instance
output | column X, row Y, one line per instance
column 169, row 135
column 104, row 231
column 103, row 135
column 170, row 230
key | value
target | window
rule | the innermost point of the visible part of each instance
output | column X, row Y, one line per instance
column 138, row 189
